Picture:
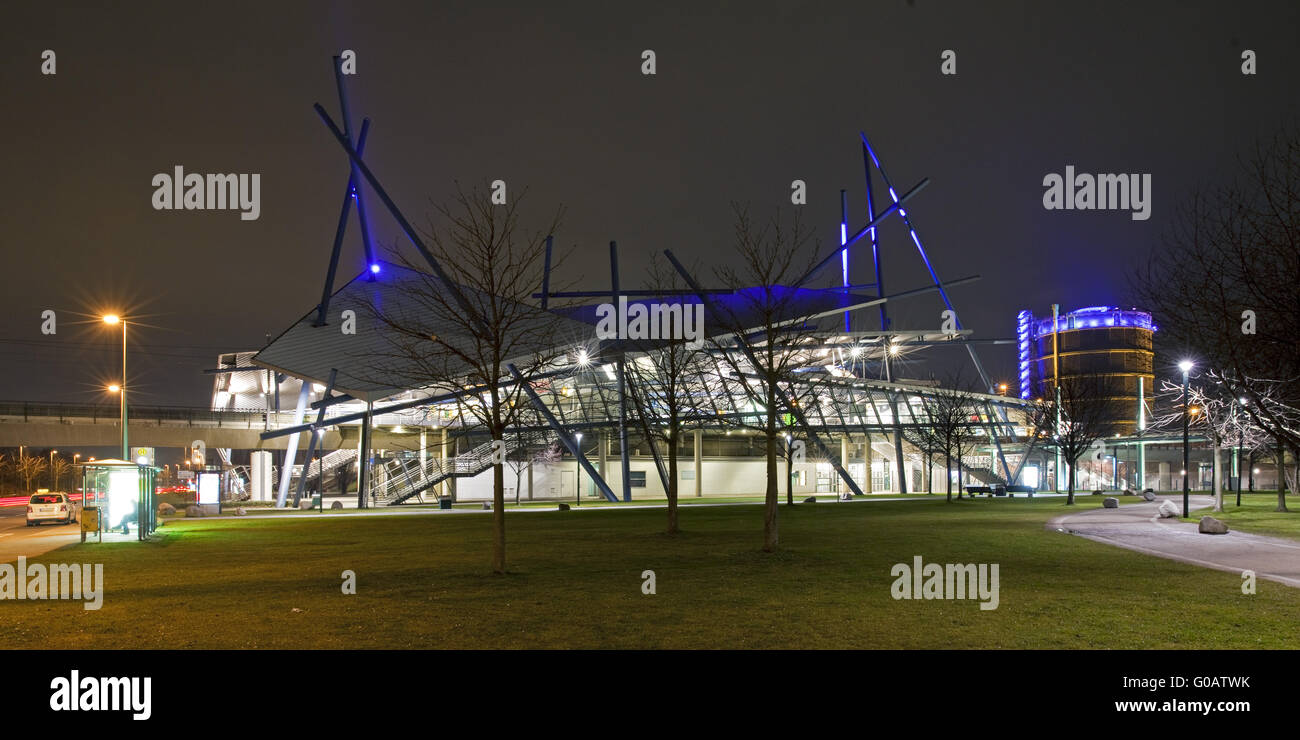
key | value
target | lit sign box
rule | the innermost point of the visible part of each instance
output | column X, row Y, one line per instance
column 209, row 488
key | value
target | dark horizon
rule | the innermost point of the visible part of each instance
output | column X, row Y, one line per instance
column 743, row 102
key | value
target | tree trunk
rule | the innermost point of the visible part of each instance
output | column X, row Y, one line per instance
column 789, row 477
column 1217, row 474
column 947, row 467
column 959, row 472
column 498, row 517
column 1069, row 472
column 770, row 537
column 672, row 484
column 1281, row 479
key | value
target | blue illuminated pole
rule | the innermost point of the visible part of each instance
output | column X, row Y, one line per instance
column 844, row 253
column 1056, row 382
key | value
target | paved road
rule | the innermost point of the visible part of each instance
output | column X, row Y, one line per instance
column 1137, row 527
column 16, row 538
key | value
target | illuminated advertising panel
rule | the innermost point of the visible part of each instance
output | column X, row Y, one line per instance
column 210, row 488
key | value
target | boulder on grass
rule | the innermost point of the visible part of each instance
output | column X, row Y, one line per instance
column 563, row 507
column 336, row 505
column 810, row 500
column 240, row 511
column 1097, row 493
column 1149, row 495
column 193, row 510
column 305, row 504
column 487, row 506
column 1210, row 525
column 1110, row 502
column 165, row 509
column 1167, row 509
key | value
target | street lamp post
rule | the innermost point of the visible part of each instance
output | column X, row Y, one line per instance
column 1186, row 367
column 1241, row 441
column 112, row 319
column 578, row 479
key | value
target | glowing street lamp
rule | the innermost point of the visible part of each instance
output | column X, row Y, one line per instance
column 113, row 319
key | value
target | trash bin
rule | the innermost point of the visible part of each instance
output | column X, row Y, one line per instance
column 89, row 521
column 315, row 501
column 444, row 502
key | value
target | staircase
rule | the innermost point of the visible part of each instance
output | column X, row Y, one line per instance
column 328, row 463
column 406, row 478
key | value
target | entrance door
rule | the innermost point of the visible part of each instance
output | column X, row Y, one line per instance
column 567, row 490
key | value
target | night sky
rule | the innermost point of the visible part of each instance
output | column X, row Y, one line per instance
column 550, row 96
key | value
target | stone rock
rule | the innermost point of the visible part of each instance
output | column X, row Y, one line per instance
column 810, row 500
column 1148, row 490
column 305, row 504
column 1210, row 525
column 336, row 505
column 1110, row 502
column 1149, row 495
column 562, row 507
column 1167, row 509
column 487, row 506
column 1128, row 492
column 240, row 511
column 165, row 509
column 1097, row 493
column 193, row 510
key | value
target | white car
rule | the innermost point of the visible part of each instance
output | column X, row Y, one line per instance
column 44, row 506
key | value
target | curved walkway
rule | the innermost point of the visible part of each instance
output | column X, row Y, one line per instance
column 1138, row 527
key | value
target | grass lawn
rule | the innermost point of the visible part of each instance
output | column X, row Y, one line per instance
column 575, row 581
column 1257, row 514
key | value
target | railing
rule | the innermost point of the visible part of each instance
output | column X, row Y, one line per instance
column 406, row 478
column 160, row 415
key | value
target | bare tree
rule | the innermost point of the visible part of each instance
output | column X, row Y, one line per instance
column 667, row 382
column 1224, row 284
column 1217, row 411
column 29, row 469
column 949, row 408
column 766, row 332
column 1089, row 411
column 58, row 468
column 459, row 336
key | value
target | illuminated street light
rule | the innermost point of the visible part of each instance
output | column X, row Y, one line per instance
column 113, row 319
column 1186, row 366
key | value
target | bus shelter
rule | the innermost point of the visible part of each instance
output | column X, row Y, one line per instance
column 121, row 493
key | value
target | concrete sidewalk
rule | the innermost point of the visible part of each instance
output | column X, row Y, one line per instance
column 1138, row 527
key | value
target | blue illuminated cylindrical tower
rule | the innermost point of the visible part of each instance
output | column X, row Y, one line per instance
column 1100, row 342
